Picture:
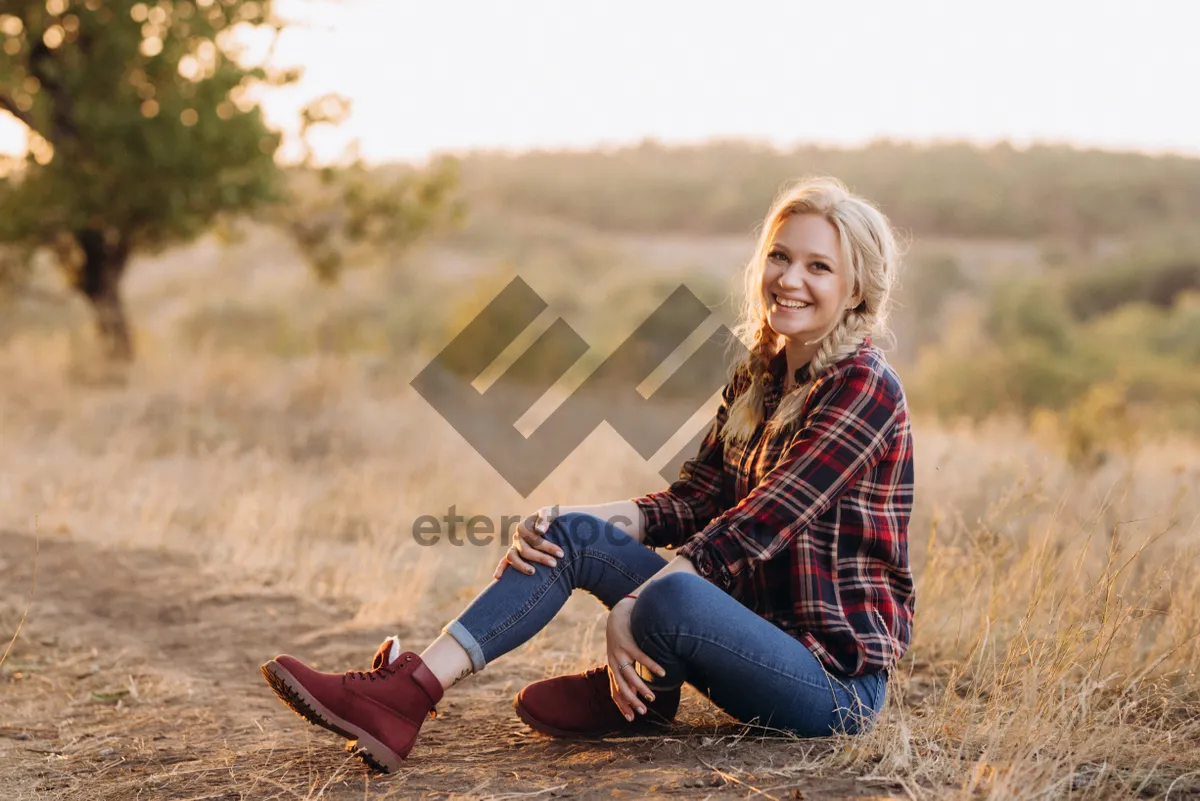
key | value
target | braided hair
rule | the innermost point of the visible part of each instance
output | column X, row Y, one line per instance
column 870, row 248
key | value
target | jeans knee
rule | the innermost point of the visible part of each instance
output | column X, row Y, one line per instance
column 672, row 597
column 578, row 529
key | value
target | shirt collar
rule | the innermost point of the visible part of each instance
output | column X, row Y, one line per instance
column 777, row 369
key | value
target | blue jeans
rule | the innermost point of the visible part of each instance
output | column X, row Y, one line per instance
column 698, row 634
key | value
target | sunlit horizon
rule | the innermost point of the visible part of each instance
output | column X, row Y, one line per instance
column 426, row 79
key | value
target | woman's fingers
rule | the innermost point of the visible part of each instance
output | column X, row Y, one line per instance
column 541, row 550
column 635, row 682
column 514, row 559
column 531, row 553
column 626, row 696
column 640, row 657
column 622, row 696
column 542, row 544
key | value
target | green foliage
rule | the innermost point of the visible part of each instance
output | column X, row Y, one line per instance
column 1157, row 281
column 15, row 268
column 1027, row 311
column 988, row 380
column 143, row 133
column 349, row 214
column 1090, row 348
column 140, row 134
column 1179, row 334
column 141, row 128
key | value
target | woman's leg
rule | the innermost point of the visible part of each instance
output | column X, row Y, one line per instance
column 382, row 709
column 597, row 557
column 749, row 667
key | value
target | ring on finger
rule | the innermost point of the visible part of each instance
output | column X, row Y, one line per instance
column 627, row 664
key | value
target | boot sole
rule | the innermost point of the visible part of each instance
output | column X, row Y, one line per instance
column 373, row 753
column 644, row 726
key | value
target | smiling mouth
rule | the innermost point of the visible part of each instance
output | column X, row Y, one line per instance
column 793, row 305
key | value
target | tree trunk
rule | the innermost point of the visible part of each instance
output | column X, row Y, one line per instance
column 99, row 281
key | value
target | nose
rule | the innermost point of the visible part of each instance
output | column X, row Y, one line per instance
column 792, row 277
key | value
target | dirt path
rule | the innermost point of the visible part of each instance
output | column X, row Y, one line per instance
column 136, row 676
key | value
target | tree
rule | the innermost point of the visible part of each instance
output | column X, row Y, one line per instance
column 139, row 134
column 142, row 133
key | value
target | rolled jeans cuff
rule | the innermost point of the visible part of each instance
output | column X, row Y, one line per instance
column 464, row 638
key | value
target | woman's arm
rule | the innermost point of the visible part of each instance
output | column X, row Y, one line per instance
column 702, row 491
column 624, row 515
column 680, row 564
column 627, row 685
column 846, row 433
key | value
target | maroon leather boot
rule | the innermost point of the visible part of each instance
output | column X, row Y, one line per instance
column 581, row 705
column 381, row 709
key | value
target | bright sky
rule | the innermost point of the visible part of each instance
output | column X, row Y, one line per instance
column 436, row 76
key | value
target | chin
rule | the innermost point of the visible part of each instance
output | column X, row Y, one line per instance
column 790, row 331
column 798, row 338
column 796, row 334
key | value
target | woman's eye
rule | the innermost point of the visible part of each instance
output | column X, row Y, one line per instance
column 777, row 255
column 820, row 265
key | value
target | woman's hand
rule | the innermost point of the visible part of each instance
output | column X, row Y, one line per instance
column 623, row 653
column 529, row 545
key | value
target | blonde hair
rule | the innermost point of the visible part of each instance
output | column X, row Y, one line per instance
column 868, row 245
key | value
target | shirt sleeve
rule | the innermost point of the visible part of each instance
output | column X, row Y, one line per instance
column 845, row 433
column 702, row 491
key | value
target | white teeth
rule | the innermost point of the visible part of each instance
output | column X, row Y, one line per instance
column 791, row 304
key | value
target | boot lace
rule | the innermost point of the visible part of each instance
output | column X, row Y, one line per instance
column 382, row 673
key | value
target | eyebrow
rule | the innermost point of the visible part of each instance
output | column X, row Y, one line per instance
column 819, row 256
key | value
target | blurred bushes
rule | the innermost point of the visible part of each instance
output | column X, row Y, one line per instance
column 1156, row 281
column 1078, row 197
column 1027, row 311
column 1087, row 350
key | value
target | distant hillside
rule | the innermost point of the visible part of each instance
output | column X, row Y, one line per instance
column 958, row 190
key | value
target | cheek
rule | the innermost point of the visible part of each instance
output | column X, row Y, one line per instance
column 765, row 285
column 835, row 291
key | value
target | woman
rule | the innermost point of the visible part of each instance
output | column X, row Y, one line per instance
column 790, row 597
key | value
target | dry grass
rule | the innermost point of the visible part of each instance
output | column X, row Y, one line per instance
column 1058, row 612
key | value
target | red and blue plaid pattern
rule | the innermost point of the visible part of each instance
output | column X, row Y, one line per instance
column 808, row 526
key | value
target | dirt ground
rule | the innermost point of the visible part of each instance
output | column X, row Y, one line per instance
column 136, row 675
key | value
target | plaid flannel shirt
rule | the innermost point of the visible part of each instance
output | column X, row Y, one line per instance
column 808, row 526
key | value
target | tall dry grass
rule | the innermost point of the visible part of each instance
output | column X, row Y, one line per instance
column 1058, row 610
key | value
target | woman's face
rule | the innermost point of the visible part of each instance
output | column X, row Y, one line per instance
column 806, row 285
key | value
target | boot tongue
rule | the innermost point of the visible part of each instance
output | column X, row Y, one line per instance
column 388, row 651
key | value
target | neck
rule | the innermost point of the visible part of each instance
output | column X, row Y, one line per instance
column 798, row 355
